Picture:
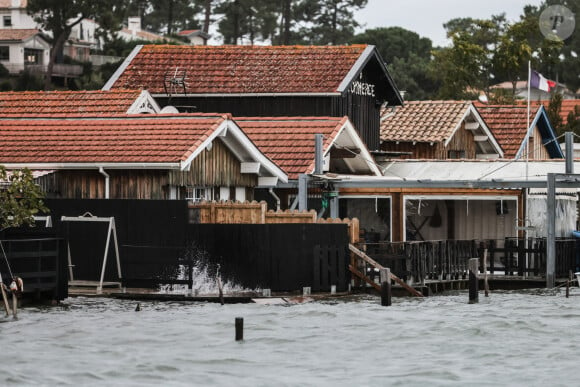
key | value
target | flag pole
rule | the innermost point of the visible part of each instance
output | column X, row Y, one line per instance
column 527, row 190
column 528, row 117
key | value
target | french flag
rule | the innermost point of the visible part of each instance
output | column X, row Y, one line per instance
column 538, row 81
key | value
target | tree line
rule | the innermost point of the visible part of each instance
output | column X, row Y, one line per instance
column 481, row 53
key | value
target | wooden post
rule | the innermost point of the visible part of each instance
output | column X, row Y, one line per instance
column 386, row 287
column 485, row 284
column 14, row 304
column 567, row 288
column 239, row 329
column 473, row 281
column 5, row 299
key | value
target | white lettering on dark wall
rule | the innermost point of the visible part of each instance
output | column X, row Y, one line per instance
column 362, row 88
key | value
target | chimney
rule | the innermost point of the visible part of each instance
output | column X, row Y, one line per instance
column 134, row 24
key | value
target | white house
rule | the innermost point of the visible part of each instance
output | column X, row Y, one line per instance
column 21, row 48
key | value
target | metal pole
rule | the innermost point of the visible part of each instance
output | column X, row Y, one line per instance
column 551, row 237
column 302, row 192
column 334, row 205
column 318, row 156
column 569, row 153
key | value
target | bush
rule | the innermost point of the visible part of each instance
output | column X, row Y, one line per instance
column 3, row 71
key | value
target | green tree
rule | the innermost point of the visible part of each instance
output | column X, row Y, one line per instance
column 20, row 199
column 408, row 58
column 332, row 20
column 60, row 16
column 553, row 111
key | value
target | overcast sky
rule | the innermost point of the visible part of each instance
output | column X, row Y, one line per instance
column 426, row 17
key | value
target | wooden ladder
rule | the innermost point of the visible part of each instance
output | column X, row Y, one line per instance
column 359, row 255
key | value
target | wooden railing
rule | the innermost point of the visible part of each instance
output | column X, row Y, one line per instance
column 367, row 269
column 416, row 262
column 519, row 256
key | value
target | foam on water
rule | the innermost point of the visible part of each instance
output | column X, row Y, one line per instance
column 527, row 339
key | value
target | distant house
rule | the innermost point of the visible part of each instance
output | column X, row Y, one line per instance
column 23, row 48
column 521, row 91
column 510, row 125
column 138, row 156
column 266, row 81
column 438, row 130
column 19, row 104
column 195, row 37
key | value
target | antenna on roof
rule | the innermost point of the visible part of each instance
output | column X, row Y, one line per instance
column 175, row 80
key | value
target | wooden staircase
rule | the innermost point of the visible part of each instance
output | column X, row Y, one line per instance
column 360, row 260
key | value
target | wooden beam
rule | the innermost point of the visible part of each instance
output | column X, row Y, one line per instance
column 374, row 263
column 364, row 277
column 471, row 125
column 250, row 168
column 344, row 153
column 480, row 138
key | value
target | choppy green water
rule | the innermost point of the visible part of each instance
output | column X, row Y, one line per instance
column 510, row 339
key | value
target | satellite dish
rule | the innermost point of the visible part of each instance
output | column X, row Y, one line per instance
column 169, row 109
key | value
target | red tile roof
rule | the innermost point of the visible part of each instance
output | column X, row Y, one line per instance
column 242, row 69
column 8, row 3
column 289, row 141
column 509, row 124
column 16, row 34
column 34, row 103
column 422, row 121
column 567, row 107
column 123, row 139
column 187, row 32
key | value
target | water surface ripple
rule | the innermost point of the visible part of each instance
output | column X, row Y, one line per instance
column 515, row 339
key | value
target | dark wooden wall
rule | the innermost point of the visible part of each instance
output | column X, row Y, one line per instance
column 462, row 140
column 215, row 168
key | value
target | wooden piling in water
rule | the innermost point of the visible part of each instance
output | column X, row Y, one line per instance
column 14, row 305
column 239, row 329
column 386, row 291
column 473, row 281
column 485, row 283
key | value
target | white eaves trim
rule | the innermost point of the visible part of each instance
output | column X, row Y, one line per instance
column 230, row 128
column 472, row 110
column 144, row 104
column 122, row 68
column 348, row 129
column 356, row 68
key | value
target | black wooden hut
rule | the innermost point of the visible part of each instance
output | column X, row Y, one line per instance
column 266, row 81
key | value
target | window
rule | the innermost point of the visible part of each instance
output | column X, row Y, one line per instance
column 4, row 53
column 456, row 154
column 197, row 194
column 7, row 21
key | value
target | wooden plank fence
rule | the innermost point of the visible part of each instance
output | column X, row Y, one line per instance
column 257, row 213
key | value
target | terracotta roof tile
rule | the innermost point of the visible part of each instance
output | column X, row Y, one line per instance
column 242, row 69
column 289, row 141
column 34, row 103
column 509, row 124
column 16, row 34
column 422, row 121
column 568, row 106
column 8, row 3
column 122, row 139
